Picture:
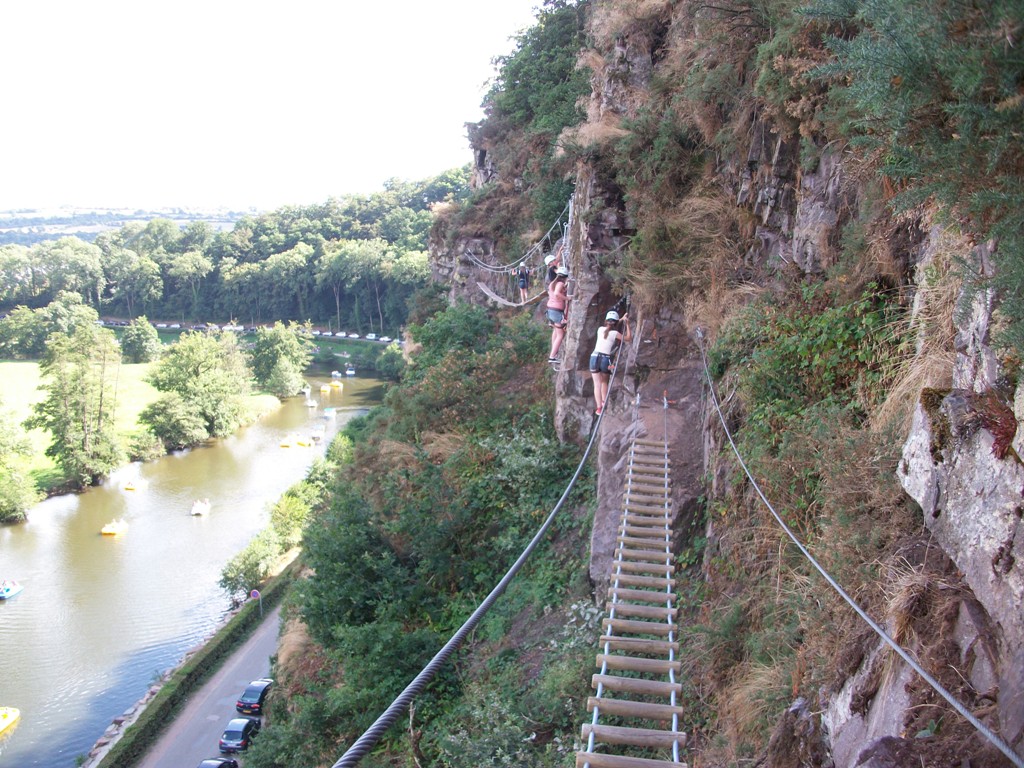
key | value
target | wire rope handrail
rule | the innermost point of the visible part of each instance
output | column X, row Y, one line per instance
column 995, row 740
column 361, row 747
column 530, row 252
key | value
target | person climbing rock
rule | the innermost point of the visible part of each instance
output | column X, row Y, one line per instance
column 558, row 303
column 553, row 261
column 608, row 337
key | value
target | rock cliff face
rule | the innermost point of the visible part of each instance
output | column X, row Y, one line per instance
column 961, row 461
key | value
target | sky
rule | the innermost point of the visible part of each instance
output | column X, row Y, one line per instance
column 239, row 104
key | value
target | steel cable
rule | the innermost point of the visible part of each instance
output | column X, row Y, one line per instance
column 530, row 252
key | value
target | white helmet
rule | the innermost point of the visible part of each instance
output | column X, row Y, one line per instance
column 548, row 259
column 562, row 271
column 613, row 315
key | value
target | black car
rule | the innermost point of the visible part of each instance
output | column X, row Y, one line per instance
column 219, row 762
column 238, row 734
column 252, row 698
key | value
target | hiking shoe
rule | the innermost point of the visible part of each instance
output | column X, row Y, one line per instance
column 553, row 360
column 598, row 412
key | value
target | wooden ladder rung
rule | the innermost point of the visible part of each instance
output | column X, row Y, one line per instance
column 631, row 567
column 647, row 489
column 634, row 737
column 641, row 611
column 632, row 506
column 636, row 685
column 648, row 521
column 638, row 644
column 660, row 503
column 650, row 450
column 650, row 737
column 630, row 708
column 633, row 627
column 660, row 469
column 645, row 543
column 645, row 441
column 602, row 760
column 629, row 579
column 642, row 595
column 651, row 456
column 637, row 664
column 646, row 532
column 646, row 555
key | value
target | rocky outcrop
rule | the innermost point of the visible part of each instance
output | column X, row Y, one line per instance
column 961, row 464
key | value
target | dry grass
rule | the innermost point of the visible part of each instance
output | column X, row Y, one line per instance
column 931, row 324
column 624, row 18
column 708, row 226
column 747, row 709
column 906, row 592
column 598, row 134
column 393, row 453
column 713, row 308
column 440, row 446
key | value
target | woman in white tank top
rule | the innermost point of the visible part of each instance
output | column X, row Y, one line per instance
column 608, row 337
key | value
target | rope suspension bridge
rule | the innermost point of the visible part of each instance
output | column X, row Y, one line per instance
column 505, row 276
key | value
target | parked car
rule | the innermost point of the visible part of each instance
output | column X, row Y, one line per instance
column 219, row 762
column 371, row 336
column 385, row 339
column 353, row 335
column 238, row 734
column 252, row 698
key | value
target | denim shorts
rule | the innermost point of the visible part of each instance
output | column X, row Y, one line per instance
column 556, row 317
column 600, row 363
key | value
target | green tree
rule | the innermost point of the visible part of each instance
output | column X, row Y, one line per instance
column 24, row 331
column 132, row 278
column 285, row 379
column 249, row 568
column 279, row 356
column 80, row 372
column 391, row 362
column 72, row 265
column 290, row 276
column 140, row 342
column 288, row 518
column 17, row 275
column 17, row 491
column 174, row 422
column 188, row 270
column 209, row 375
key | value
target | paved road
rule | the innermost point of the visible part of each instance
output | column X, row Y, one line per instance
column 192, row 736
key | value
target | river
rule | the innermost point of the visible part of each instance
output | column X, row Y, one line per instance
column 102, row 617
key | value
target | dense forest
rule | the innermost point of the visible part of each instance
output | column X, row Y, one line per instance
column 348, row 264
